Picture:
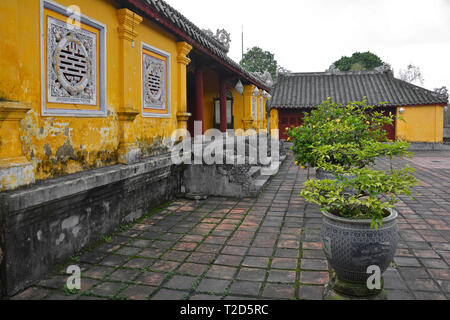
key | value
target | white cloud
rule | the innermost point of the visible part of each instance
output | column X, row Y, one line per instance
column 308, row 35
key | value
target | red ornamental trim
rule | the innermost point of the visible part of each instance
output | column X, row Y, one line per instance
column 168, row 24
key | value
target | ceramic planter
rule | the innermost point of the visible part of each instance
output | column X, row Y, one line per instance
column 351, row 245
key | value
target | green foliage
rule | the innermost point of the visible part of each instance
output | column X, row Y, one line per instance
column 349, row 136
column 339, row 157
column 107, row 239
column 68, row 291
column 361, row 193
column 347, row 140
column 257, row 60
column 359, row 62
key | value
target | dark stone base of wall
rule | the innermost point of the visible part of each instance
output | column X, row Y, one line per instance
column 427, row 146
column 45, row 224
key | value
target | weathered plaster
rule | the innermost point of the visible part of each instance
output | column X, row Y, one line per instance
column 16, row 176
column 54, row 149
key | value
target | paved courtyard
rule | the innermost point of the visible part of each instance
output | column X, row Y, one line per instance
column 265, row 248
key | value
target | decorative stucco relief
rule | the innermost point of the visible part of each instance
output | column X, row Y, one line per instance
column 71, row 64
column 154, row 82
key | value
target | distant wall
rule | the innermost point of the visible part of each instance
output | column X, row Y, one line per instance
column 447, row 123
column 421, row 124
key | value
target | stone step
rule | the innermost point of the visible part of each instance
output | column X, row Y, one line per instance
column 259, row 184
column 266, row 175
column 254, row 172
column 261, row 181
column 273, row 168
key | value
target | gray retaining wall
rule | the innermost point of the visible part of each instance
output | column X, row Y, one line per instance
column 43, row 225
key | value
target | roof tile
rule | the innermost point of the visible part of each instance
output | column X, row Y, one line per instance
column 307, row 90
column 200, row 36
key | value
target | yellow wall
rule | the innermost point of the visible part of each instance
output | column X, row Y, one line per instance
column 422, row 124
column 238, row 110
column 260, row 105
column 59, row 145
column 56, row 145
column 273, row 119
column 211, row 92
column 265, row 124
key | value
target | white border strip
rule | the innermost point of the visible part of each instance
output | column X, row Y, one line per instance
column 48, row 4
column 168, row 79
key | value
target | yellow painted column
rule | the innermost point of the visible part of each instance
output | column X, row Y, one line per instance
column 264, row 113
column 258, row 111
column 248, row 96
column 15, row 169
column 183, row 49
column 129, row 151
column 10, row 75
column 238, row 110
column 274, row 123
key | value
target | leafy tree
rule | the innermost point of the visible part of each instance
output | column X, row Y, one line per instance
column 258, row 60
column 359, row 62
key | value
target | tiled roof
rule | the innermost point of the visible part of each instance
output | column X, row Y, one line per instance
column 179, row 21
column 306, row 90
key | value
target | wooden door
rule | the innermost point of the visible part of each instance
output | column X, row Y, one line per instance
column 288, row 119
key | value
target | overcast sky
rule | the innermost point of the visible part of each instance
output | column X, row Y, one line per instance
column 309, row 35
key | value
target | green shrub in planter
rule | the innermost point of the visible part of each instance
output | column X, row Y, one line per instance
column 373, row 192
column 344, row 157
column 348, row 147
column 359, row 229
column 338, row 133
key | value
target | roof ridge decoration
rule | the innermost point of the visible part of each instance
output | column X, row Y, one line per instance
column 169, row 10
column 187, row 30
column 222, row 38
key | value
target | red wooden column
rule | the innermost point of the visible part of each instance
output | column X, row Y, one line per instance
column 198, row 110
column 223, row 107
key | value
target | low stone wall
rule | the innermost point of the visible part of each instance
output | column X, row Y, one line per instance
column 426, row 146
column 43, row 225
column 219, row 180
column 447, row 132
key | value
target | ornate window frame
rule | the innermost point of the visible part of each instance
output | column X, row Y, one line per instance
column 148, row 112
column 69, row 109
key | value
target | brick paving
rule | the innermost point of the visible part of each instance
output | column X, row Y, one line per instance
column 265, row 248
